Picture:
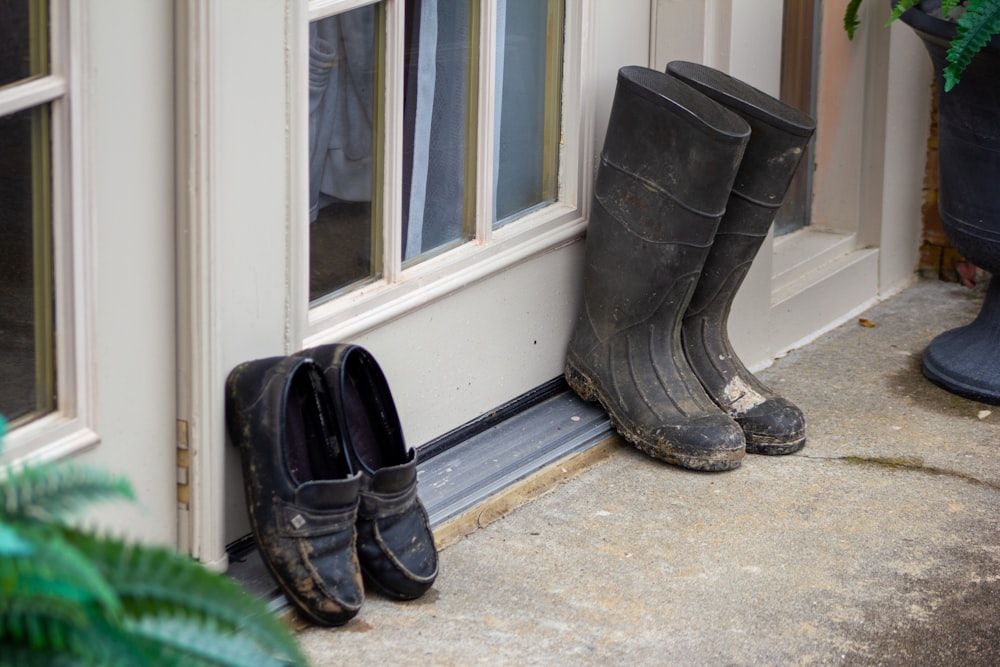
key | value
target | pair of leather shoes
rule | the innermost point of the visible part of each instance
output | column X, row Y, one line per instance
column 331, row 486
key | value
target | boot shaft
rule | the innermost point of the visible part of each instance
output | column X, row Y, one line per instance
column 673, row 139
column 778, row 138
column 668, row 164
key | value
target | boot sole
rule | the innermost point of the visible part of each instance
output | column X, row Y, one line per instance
column 588, row 390
column 759, row 445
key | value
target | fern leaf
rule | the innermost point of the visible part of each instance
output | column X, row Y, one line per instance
column 98, row 643
column 851, row 20
column 21, row 619
column 947, row 6
column 55, row 569
column 18, row 656
column 152, row 581
column 22, row 656
column 901, row 7
column 54, row 599
column 12, row 544
column 54, row 490
column 975, row 29
column 203, row 642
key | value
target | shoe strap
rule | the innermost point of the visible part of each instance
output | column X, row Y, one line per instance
column 379, row 505
column 297, row 521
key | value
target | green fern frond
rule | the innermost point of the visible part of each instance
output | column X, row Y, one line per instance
column 901, row 7
column 975, row 30
column 12, row 544
column 68, row 597
column 47, row 626
column 40, row 621
column 22, row 656
column 55, row 598
column 948, row 5
column 96, row 643
column 55, row 569
column 152, row 581
column 851, row 20
column 204, row 643
column 53, row 490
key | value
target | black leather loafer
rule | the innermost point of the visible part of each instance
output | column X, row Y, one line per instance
column 395, row 542
column 302, row 491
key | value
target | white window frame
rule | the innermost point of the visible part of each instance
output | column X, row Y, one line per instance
column 72, row 426
column 401, row 290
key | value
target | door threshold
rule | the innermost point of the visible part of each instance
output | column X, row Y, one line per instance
column 463, row 469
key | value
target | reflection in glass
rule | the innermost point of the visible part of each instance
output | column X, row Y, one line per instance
column 23, row 40
column 438, row 156
column 343, row 79
column 27, row 380
column 526, row 132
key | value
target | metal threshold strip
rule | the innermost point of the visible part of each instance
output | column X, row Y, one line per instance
column 462, row 469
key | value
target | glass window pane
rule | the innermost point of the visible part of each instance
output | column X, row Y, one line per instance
column 27, row 378
column 343, row 126
column 23, row 40
column 438, row 125
column 529, row 58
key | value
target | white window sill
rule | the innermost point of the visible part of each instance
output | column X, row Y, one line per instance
column 380, row 302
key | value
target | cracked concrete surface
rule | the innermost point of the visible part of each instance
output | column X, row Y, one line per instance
column 878, row 544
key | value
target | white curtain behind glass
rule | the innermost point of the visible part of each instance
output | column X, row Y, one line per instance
column 341, row 63
column 435, row 124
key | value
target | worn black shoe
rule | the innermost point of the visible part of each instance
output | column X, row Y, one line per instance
column 395, row 542
column 302, row 491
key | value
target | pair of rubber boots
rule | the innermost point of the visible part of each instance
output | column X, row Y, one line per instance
column 694, row 168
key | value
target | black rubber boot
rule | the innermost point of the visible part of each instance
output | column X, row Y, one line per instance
column 779, row 134
column 669, row 159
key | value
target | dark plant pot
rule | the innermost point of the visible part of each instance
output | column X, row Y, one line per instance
column 966, row 360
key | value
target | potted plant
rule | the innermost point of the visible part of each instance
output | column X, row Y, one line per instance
column 974, row 23
column 70, row 596
column 961, row 38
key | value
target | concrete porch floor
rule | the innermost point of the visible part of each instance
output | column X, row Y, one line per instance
column 878, row 544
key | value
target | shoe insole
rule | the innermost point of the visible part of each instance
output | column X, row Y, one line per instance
column 311, row 446
column 371, row 435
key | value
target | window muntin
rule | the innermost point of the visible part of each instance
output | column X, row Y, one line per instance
column 440, row 146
